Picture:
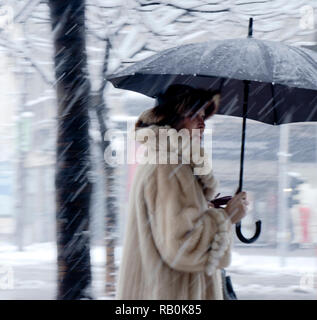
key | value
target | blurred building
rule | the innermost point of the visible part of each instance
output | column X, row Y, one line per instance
column 7, row 140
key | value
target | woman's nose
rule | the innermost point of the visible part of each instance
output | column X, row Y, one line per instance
column 201, row 122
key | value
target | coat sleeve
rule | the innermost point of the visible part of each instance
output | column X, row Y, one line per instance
column 187, row 238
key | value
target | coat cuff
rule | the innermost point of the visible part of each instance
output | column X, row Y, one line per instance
column 221, row 240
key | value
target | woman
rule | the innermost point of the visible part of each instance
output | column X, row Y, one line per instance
column 175, row 241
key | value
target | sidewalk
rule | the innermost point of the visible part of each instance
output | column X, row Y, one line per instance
column 255, row 274
column 259, row 274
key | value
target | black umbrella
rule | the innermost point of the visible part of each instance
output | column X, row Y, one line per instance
column 276, row 83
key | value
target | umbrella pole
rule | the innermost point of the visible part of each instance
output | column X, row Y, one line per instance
column 245, row 111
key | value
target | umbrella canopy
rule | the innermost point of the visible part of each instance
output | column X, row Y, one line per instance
column 283, row 78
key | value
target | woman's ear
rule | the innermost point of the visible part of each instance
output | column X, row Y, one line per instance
column 216, row 101
column 214, row 106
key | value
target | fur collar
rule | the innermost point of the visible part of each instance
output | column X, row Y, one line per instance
column 203, row 173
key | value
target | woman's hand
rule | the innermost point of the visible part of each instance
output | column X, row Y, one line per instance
column 210, row 205
column 237, row 207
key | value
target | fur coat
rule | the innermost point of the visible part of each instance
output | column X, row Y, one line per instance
column 174, row 245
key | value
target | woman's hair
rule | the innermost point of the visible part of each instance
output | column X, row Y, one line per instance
column 178, row 102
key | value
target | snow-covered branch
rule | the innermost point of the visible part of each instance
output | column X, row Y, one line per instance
column 19, row 51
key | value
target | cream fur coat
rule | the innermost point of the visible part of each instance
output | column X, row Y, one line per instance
column 174, row 244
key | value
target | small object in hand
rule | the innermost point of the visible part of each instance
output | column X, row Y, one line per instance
column 220, row 201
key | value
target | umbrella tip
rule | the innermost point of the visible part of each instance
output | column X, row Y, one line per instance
column 250, row 32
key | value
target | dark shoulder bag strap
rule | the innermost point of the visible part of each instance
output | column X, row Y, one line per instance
column 227, row 289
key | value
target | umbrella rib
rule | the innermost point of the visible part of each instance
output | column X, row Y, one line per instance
column 304, row 54
column 268, row 63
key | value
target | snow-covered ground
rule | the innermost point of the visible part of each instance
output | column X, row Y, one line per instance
column 31, row 274
column 273, row 264
column 267, row 277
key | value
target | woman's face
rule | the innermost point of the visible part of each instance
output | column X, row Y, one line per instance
column 196, row 121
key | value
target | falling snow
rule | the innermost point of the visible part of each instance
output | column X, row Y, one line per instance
column 197, row 42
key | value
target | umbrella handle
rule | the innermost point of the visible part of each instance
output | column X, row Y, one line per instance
column 238, row 227
column 250, row 240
